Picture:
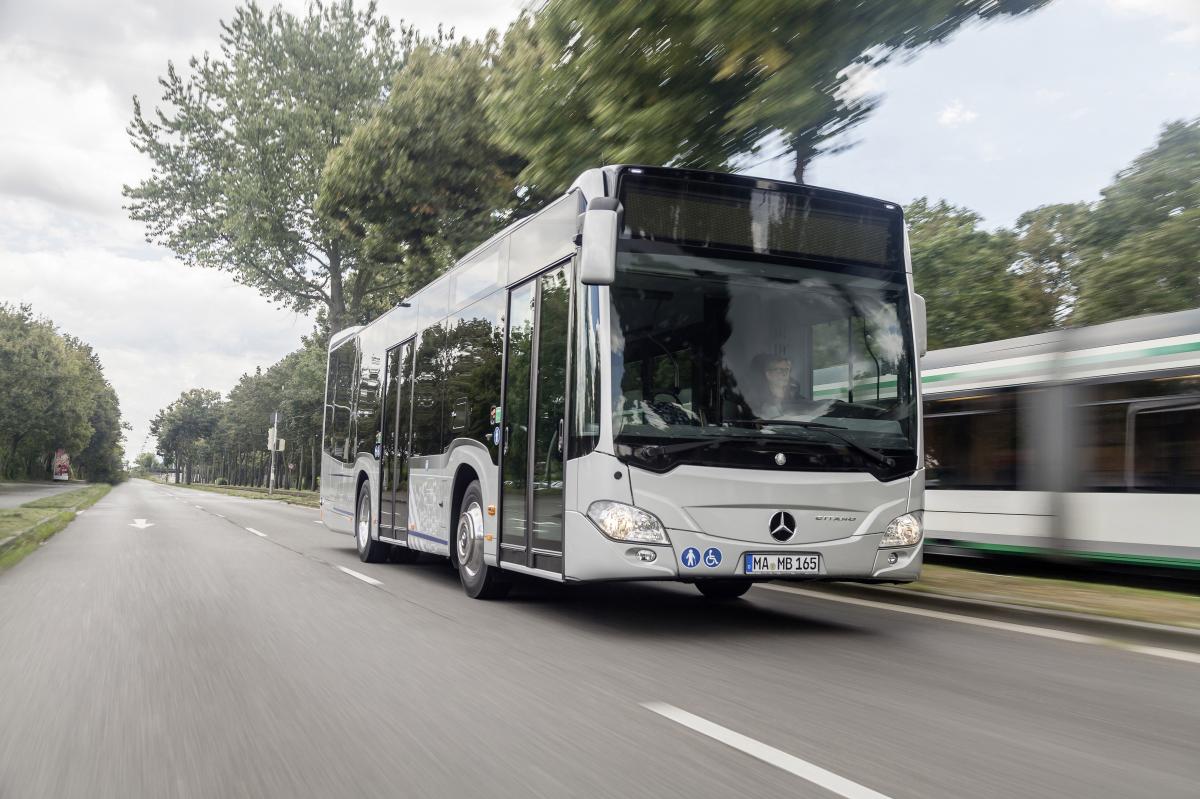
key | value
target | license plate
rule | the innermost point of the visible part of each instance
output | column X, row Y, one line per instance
column 784, row 563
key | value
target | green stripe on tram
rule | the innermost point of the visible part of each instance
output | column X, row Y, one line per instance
column 1079, row 360
column 1109, row 557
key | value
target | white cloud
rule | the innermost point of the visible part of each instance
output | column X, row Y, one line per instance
column 158, row 326
column 1182, row 13
column 68, row 70
column 955, row 115
column 859, row 82
column 1049, row 96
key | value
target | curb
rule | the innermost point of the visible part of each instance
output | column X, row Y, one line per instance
column 1103, row 626
column 17, row 539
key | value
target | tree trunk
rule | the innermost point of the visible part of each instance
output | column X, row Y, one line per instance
column 804, row 152
column 337, row 292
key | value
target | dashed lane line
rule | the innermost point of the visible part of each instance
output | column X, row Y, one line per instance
column 360, row 576
column 256, row 532
column 835, row 783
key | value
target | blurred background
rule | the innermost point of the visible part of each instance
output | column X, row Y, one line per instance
column 315, row 163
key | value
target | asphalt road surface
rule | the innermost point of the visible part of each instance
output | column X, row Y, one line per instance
column 14, row 494
column 196, row 658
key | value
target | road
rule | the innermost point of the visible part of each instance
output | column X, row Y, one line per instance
column 196, row 658
column 14, row 494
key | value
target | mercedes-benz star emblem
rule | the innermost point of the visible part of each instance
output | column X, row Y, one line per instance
column 783, row 526
column 780, row 459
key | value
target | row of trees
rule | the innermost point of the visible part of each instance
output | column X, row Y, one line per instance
column 55, row 396
column 336, row 163
column 205, row 437
column 1135, row 251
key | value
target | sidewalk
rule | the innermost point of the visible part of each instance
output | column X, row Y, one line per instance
column 15, row 494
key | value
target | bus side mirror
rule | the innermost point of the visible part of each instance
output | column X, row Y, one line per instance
column 598, row 251
column 919, row 329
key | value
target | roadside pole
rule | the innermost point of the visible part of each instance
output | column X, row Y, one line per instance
column 271, row 434
column 274, row 444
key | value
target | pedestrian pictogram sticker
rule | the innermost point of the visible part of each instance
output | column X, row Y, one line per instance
column 712, row 557
column 691, row 557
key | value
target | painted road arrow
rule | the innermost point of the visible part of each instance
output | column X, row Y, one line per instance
column 141, row 524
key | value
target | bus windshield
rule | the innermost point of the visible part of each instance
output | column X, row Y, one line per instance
column 760, row 363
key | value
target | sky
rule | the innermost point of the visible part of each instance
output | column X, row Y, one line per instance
column 1001, row 119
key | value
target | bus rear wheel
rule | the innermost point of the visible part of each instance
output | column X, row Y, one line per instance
column 479, row 580
column 369, row 550
column 723, row 589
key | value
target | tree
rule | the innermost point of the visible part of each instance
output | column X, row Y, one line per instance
column 1140, row 246
column 964, row 273
column 55, row 395
column 1157, row 271
column 701, row 82
column 183, row 425
column 239, row 145
column 1048, row 253
column 423, row 181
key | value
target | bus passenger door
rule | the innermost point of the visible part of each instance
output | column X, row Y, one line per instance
column 397, row 423
column 531, row 503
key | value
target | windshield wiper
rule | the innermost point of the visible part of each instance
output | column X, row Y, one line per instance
column 827, row 429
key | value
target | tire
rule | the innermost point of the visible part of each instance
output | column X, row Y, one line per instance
column 479, row 580
column 723, row 590
column 369, row 550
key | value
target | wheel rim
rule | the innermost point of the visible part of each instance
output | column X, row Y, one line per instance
column 469, row 540
column 363, row 533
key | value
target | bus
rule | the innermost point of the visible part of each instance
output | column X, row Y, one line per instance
column 1082, row 443
column 664, row 374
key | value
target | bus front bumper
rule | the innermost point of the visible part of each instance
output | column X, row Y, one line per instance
column 692, row 556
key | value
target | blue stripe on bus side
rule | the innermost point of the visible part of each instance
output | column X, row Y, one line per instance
column 343, row 512
column 428, row 537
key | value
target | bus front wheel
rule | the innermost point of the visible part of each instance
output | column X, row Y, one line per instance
column 369, row 550
column 479, row 580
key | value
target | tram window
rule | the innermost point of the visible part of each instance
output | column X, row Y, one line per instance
column 1166, row 448
column 972, row 442
column 1142, row 435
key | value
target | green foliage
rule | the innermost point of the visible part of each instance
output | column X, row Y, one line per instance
column 1141, row 244
column 1136, row 251
column 239, row 144
column 964, row 274
column 701, row 82
column 55, row 395
column 422, row 181
column 184, row 427
column 208, row 438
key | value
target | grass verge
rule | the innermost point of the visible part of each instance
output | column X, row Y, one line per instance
column 34, row 522
column 1097, row 599
column 309, row 499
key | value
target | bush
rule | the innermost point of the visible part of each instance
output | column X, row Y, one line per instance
column 220, row 481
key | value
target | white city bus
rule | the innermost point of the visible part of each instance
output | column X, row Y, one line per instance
column 662, row 375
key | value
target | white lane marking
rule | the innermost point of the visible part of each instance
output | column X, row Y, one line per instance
column 1173, row 654
column 197, row 507
column 256, row 532
column 141, row 524
column 219, row 515
column 318, row 521
column 1024, row 629
column 360, row 576
column 768, row 754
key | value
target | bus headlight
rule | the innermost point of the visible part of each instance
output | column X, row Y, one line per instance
column 622, row 522
column 903, row 531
